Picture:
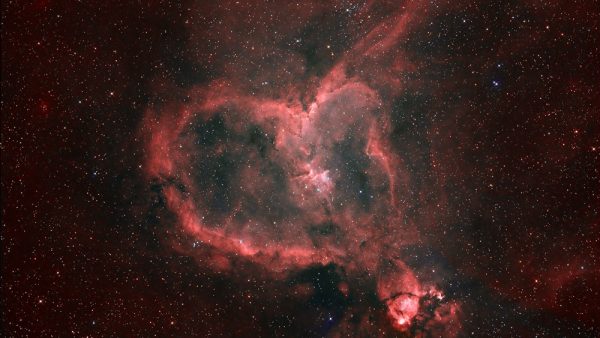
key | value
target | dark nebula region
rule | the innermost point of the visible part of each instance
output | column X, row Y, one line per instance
column 302, row 169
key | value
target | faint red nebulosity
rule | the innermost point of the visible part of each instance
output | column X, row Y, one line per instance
column 40, row 5
column 344, row 288
column 44, row 106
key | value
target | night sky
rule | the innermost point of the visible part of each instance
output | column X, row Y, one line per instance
column 300, row 169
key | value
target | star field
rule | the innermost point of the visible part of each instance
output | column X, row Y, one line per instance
column 302, row 169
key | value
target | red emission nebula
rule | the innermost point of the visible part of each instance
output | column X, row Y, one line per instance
column 305, row 172
column 290, row 171
column 292, row 199
column 314, row 168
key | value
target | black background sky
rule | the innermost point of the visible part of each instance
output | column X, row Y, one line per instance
column 498, row 122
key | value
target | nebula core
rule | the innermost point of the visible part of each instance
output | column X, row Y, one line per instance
column 305, row 169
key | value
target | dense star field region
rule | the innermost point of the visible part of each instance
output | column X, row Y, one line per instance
column 300, row 169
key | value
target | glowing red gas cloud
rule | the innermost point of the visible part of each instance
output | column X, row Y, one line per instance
column 296, row 201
